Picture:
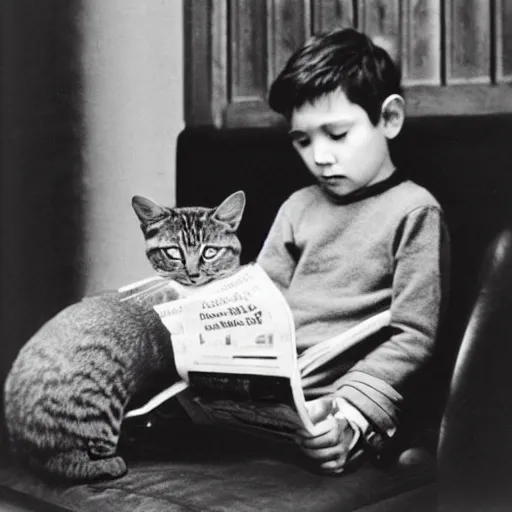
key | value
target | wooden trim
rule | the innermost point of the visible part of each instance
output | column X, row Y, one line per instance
column 308, row 19
column 467, row 48
column 501, row 19
column 197, row 62
column 288, row 27
column 459, row 100
column 421, row 101
column 421, row 42
column 329, row 14
column 219, row 61
column 210, row 86
column 251, row 114
column 248, row 46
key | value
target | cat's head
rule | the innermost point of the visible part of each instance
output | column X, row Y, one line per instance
column 192, row 245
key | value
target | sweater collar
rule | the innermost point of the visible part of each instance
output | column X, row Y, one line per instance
column 372, row 190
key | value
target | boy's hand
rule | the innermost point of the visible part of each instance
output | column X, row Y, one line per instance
column 330, row 444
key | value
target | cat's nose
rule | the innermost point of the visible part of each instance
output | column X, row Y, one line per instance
column 194, row 277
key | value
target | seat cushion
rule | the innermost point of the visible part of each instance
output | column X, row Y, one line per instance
column 207, row 469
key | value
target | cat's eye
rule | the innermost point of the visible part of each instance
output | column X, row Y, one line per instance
column 173, row 252
column 210, row 252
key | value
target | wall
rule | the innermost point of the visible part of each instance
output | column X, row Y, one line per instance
column 90, row 107
column 132, row 62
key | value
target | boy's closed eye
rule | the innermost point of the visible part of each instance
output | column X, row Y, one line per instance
column 337, row 131
column 304, row 141
column 299, row 138
column 337, row 136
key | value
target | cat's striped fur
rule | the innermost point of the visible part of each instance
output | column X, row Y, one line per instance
column 66, row 393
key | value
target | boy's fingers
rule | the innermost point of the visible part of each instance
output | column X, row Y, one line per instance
column 319, row 409
column 326, row 446
column 324, row 426
column 330, row 438
column 319, row 429
column 324, row 455
column 333, row 466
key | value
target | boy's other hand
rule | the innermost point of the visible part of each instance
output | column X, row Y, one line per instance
column 330, row 444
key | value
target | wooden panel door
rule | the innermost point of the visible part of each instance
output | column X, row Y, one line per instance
column 263, row 36
column 468, row 45
column 455, row 55
column 421, row 42
column 330, row 14
column 504, row 41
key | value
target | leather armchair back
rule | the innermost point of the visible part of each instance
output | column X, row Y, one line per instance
column 475, row 449
column 464, row 161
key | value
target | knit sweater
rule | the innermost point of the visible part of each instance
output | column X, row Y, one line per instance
column 338, row 264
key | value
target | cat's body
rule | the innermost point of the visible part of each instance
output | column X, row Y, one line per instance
column 67, row 390
column 66, row 393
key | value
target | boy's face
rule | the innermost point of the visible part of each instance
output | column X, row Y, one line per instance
column 339, row 144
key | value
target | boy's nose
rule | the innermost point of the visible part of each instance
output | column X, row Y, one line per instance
column 322, row 156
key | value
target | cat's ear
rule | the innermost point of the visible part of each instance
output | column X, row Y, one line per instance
column 147, row 210
column 231, row 210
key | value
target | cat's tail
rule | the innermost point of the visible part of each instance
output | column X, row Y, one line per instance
column 78, row 465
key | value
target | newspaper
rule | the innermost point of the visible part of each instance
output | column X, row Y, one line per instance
column 235, row 349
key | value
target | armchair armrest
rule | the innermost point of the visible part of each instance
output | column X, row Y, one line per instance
column 475, row 448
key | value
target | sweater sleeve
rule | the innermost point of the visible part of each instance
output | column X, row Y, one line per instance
column 377, row 384
column 277, row 256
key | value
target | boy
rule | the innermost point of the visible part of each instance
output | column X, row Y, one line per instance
column 364, row 238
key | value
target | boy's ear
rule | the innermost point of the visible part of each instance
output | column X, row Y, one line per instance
column 392, row 115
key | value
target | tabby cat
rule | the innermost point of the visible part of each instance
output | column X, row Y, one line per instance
column 66, row 393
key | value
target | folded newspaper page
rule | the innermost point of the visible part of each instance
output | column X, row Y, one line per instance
column 235, row 349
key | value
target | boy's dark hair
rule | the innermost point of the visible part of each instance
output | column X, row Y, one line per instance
column 341, row 59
